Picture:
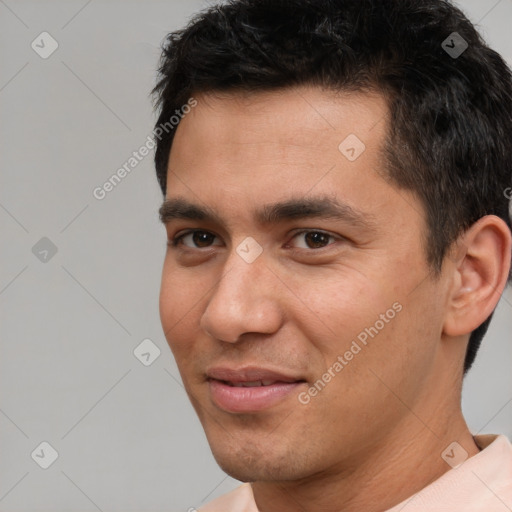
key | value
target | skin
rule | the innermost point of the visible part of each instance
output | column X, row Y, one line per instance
column 375, row 433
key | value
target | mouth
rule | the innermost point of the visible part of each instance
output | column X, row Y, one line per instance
column 251, row 384
column 248, row 390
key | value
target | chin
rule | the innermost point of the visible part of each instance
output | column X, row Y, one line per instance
column 253, row 462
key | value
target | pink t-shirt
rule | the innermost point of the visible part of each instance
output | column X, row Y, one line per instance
column 483, row 483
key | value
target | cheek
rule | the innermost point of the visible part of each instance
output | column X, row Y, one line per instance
column 372, row 320
column 178, row 306
column 399, row 358
column 167, row 301
column 337, row 304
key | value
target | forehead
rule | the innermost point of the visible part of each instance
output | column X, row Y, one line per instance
column 295, row 116
column 241, row 149
column 301, row 127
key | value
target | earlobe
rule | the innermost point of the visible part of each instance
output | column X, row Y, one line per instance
column 481, row 270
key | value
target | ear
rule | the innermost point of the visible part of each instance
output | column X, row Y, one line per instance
column 480, row 273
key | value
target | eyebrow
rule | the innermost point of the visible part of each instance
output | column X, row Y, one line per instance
column 324, row 207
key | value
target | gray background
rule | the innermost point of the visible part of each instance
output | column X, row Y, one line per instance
column 126, row 435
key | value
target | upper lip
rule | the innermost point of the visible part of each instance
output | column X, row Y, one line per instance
column 249, row 374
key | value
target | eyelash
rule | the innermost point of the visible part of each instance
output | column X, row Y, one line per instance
column 176, row 241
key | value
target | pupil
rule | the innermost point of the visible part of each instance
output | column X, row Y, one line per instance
column 316, row 238
column 201, row 237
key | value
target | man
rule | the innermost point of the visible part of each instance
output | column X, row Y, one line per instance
column 339, row 237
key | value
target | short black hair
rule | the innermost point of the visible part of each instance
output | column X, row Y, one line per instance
column 449, row 94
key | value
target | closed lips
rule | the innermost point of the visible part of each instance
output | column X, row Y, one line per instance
column 249, row 390
column 252, row 384
column 250, row 376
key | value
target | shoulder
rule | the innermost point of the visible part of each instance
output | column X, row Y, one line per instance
column 482, row 483
column 240, row 499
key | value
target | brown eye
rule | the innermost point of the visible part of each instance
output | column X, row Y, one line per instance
column 314, row 239
column 200, row 239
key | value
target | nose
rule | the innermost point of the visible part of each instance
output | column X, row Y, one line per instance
column 245, row 300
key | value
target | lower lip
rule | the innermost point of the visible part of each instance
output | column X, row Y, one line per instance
column 249, row 399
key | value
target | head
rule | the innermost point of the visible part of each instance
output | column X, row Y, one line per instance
column 304, row 105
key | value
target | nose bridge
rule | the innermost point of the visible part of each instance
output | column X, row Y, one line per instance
column 243, row 299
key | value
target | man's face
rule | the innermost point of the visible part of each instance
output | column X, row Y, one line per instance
column 281, row 299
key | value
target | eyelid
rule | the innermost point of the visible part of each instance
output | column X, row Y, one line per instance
column 304, row 230
column 176, row 240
